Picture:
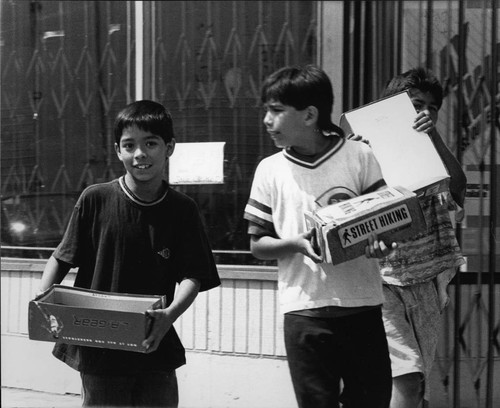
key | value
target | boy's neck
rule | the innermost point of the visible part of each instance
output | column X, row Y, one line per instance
column 147, row 191
column 316, row 146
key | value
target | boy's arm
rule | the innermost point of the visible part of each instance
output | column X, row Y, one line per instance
column 458, row 181
column 269, row 248
column 164, row 318
column 54, row 273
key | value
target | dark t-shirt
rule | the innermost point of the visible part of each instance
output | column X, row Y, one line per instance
column 121, row 244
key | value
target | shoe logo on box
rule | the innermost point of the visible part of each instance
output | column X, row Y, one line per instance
column 99, row 323
column 389, row 220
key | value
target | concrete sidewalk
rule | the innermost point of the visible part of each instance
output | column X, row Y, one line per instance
column 21, row 398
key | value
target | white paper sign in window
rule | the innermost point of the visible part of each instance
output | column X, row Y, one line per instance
column 197, row 163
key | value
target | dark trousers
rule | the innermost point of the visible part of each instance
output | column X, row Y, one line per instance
column 130, row 390
column 323, row 351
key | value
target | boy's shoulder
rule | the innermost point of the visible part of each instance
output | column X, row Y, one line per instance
column 359, row 145
column 273, row 159
column 100, row 188
column 180, row 202
column 275, row 156
column 270, row 166
column 106, row 189
column 357, row 148
column 179, row 196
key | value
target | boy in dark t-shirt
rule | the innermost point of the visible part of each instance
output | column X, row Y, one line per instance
column 136, row 235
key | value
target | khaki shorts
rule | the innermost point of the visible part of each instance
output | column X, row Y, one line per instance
column 412, row 320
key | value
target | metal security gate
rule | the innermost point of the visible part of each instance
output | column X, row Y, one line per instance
column 458, row 40
column 208, row 61
column 66, row 69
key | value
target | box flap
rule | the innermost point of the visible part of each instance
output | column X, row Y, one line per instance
column 93, row 299
column 408, row 158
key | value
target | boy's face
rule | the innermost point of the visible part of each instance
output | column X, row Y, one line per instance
column 424, row 101
column 143, row 154
column 285, row 124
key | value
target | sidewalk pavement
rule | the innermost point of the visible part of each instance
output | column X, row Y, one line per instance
column 21, row 398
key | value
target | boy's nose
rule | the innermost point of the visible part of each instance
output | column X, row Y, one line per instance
column 139, row 152
column 267, row 119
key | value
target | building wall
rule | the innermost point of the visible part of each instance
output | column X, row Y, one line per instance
column 232, row 334
column 234, row 342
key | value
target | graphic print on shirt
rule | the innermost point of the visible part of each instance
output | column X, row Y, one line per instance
column 335, row 195
column 165, row 253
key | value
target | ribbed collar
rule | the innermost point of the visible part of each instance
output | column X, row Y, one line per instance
column 316, row 159
column 136, row 199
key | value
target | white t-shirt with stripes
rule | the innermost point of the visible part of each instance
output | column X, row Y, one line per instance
column 285, row 186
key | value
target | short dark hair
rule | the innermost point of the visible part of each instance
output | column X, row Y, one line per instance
column 419, row 78
column 147, row 115
column 300, row 87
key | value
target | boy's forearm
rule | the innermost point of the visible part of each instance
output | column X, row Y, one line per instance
column 164, row 318
column 184, row 296
column 270, row 248
column 53, row 273
column 458, row 180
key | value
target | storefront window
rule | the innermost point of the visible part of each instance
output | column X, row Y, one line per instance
column 69, row 66
column 208, row 63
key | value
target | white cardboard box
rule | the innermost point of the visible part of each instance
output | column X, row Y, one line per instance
column 408, row 158
column 92, row 318
column 342, row 229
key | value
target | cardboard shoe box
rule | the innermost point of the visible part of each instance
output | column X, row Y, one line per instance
column 342, row 229
column 92, row 318
column 407, row 158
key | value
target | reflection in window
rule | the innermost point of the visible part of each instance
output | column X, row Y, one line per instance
column 68, row 67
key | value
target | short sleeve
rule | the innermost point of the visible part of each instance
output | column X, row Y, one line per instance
column 258, row 210
column 70, row 246
column 197, row 259
column 372, row 177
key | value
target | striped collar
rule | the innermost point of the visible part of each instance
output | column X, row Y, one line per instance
column 316, row 160
column 136, row 199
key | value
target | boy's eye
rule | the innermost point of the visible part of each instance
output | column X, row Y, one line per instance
column 152, row 143
column 127, row 146
column 273, row 108
column 417, row 106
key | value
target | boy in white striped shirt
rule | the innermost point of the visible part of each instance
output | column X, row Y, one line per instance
column 332, row 313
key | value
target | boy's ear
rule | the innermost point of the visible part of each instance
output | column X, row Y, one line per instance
column 170, row 147
column 311, row 115
column 118, row 152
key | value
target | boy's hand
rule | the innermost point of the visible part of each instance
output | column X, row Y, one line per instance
column 423, row 122
column 162, row 322
column 378, row 249
column 306, row 245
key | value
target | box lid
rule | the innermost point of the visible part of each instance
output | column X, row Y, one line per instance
column 408, row 158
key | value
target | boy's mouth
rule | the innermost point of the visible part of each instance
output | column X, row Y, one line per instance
column 142, row 166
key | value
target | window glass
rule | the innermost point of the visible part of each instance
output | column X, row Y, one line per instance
column 209, row 61
column 68, row 68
